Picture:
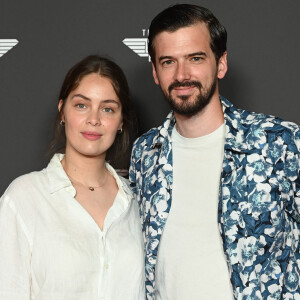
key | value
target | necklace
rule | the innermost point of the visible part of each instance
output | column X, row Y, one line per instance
column 91, row 188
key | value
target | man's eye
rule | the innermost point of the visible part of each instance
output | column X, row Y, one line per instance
column 196, row 58
column 80, row 105
column 167, row 62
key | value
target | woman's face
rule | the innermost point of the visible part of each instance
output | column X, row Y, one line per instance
column 92, row 114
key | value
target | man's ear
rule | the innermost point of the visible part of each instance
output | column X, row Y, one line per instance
column 154, row 74
column 60, row 104
column 222, row 66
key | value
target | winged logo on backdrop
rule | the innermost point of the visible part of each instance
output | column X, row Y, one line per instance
column 6, row 45
column 139, row 45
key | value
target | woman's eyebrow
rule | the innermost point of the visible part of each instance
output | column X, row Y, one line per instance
column 81, row 96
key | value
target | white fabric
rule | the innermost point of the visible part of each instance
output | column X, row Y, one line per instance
column 52, row 249
column 191, row 263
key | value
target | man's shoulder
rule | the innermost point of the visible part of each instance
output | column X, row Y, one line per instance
column 248, row 129
column 156, row 134
column 148, row 137
column 253, row 123
column 268, row 122
column 253, row 118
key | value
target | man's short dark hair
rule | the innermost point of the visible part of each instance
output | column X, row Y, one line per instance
column 184, row 15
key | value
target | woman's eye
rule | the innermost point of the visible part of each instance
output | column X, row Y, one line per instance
column 107, row 109
column 80, row 105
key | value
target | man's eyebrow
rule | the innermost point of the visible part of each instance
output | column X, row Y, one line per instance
column 165, row 57
column 199, row 53
column 81, row 96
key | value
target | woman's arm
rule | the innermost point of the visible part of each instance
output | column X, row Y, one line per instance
column 14, row 253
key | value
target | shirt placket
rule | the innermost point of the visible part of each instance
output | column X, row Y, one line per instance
column 104, row 267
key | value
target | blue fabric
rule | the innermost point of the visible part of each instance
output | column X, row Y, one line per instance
column 259, row 201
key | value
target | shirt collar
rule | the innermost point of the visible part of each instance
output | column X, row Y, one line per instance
column 58, row 178
column 165, row 131
column 235, row 129
column 235, row 132
column 123, row 184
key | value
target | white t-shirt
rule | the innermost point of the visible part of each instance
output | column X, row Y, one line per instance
column 191, row 262
column 52, row 249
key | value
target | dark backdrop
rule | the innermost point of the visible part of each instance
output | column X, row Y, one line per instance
column 263, row 57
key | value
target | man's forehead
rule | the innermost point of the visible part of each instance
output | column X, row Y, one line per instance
column 195, row 38
column 196, row 30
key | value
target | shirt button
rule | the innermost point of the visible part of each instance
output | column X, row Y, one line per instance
column 106, row 266
column 70, row 190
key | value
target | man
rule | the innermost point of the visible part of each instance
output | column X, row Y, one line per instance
column 218, row 187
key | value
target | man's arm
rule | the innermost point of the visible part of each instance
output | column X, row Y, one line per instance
column 292, row 172
column 132, row 170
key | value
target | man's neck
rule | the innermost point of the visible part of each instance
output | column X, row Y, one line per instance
column 206, row 121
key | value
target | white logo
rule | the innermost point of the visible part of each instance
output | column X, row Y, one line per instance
column 6, row 45
column 138, row 45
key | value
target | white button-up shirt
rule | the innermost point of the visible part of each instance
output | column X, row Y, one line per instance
column 52, row 249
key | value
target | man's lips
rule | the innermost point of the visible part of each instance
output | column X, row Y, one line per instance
column 184, row 88
column 91, row 135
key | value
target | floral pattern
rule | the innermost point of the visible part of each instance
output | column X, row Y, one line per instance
column 259, row 201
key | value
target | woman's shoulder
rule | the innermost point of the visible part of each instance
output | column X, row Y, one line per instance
column 35, row 182
column 124, row 180
column 121, row 181
column 25, row 184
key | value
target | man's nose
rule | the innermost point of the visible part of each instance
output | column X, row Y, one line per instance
column 182, row 72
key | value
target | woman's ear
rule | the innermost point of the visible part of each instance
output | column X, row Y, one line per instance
column 60, row 104
column 121, row 125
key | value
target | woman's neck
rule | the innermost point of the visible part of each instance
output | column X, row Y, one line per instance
column 88, row 171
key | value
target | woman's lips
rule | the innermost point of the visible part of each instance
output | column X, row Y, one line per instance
column 90, row 135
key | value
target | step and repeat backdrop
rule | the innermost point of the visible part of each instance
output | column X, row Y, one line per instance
column 41, row 40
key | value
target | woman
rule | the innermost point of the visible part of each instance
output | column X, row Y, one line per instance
column 72, row 231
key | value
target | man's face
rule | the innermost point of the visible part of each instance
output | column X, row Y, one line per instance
column 186, row 68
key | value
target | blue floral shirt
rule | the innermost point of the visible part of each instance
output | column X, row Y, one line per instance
column 259, row 201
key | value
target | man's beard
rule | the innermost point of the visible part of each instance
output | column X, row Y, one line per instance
column 186, row 107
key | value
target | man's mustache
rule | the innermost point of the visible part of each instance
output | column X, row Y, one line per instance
column 178, row 84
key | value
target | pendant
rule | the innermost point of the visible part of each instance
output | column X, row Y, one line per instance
column 91, row 189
